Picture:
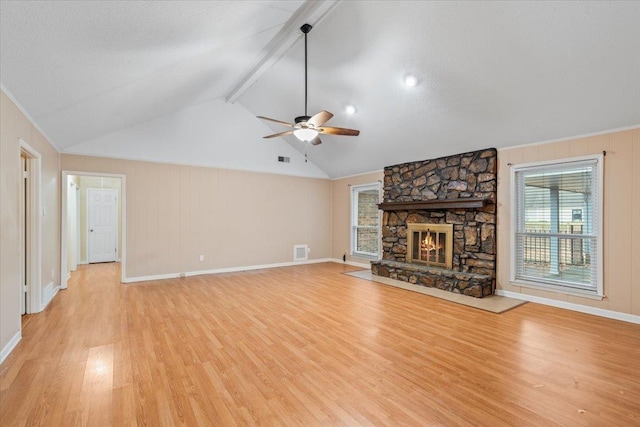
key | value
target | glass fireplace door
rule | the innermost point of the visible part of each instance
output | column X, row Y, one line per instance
column 432, row 247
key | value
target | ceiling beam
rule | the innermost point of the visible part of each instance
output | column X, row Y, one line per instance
column 311, row 12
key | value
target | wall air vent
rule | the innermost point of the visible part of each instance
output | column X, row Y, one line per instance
column 300, row 252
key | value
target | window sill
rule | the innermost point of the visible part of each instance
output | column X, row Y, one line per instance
column 364, row 256
column 557, row 290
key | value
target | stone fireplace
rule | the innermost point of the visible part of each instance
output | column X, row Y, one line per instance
column 438, row 227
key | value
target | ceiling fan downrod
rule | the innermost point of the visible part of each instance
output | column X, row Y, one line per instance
column 305, row 29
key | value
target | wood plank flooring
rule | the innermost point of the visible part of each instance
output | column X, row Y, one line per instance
column 309, row 346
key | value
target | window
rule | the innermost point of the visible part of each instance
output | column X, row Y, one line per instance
column 365, row 220
column 557, row 225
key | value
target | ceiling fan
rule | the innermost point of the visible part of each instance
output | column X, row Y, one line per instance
column 308, row 128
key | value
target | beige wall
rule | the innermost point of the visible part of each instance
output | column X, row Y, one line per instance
column 341, row 213
column 621, row 215
column 14, row 125
column 176, row 213
column 84, row 183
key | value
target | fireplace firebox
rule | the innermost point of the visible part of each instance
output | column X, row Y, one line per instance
column 430, row 244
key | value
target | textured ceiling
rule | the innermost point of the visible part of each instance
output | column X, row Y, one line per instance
column 105, row 78
column 85, row 69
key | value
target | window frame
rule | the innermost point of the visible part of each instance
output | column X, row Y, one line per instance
column 354, row 190
column 598, row 292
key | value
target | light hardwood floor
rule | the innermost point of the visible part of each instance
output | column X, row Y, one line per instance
column 310, row 346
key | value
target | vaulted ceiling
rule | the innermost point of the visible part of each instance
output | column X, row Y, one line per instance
column 183, row 81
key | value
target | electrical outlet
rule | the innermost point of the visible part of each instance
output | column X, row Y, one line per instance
column 201, row 257
column 53, row 272
column 308, row 250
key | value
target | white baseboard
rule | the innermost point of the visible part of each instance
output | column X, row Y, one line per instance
column 48, row 293
column 572, row 306
column 13, row 342
column 353, row 263
column 222, row 270
column 68, row 275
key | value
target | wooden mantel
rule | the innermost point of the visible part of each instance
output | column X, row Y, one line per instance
column 461, row 203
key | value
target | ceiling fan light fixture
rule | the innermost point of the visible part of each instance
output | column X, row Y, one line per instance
column 305, row 134
column 410, row 80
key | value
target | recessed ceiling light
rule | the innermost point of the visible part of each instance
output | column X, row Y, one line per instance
column 350, row 109
column 410, row 80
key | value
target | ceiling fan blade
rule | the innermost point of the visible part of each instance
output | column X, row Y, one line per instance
column 319, row 119
column 289, row 132
column 316, row 141
column 275, row 121
column 338, row 131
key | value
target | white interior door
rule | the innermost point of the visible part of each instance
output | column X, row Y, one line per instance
column 102, row 221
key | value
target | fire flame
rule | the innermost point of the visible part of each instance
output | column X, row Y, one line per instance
column 429, row 250
column 429, row 244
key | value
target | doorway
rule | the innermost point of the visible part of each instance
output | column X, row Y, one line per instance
column 24, row 233
column 99, row 221
column 29, row 230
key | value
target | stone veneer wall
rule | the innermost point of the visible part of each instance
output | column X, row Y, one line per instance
column 464, row 175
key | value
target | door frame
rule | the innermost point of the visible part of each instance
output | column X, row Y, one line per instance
column 34, row 231
column 73, row 199
column 87, row 224
column 122, row 219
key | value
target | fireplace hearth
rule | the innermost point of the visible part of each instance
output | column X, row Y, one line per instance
column 439, row 223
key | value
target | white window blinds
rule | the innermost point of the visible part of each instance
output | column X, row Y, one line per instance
column 557, row 217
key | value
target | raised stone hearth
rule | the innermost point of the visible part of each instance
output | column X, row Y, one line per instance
column 458, row 190
column 475, row 285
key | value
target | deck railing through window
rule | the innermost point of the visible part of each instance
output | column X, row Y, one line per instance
column 569, row 258
column 572, row 250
